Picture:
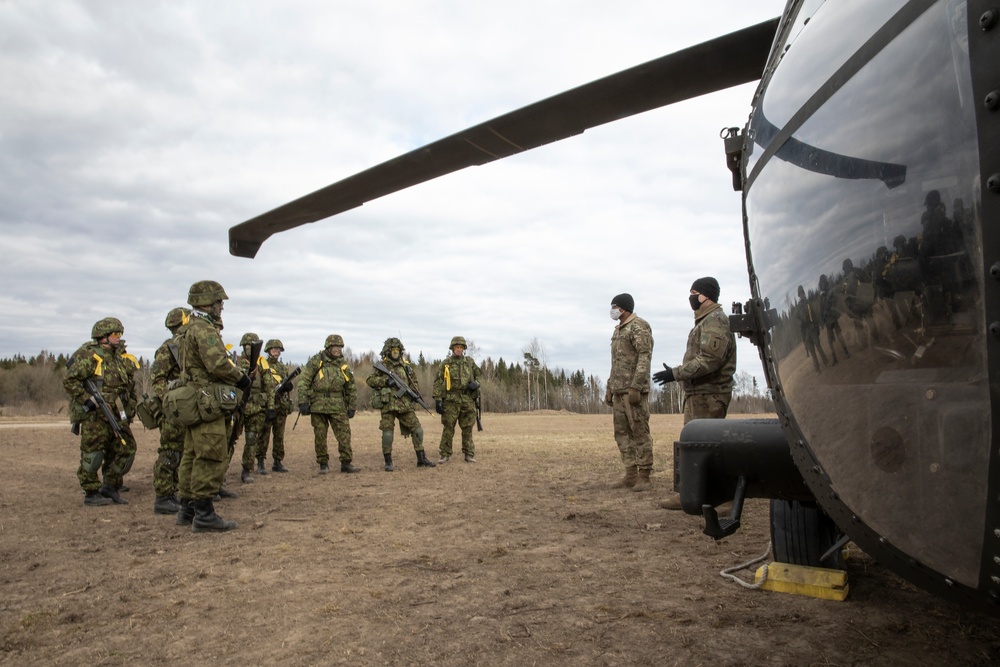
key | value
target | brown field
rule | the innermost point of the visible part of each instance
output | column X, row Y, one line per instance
column 524, row 558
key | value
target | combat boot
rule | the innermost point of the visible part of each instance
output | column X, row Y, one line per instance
column 246, row 477
column 223, row 492
column 324, row 468
column 261, row 470
column 185, row 512
column 423, row 461
column 345, row 466
column 470, row 458
column 278, row 467
column 165, row 505
column 112, row 493
column 629, row 480
column 206, row 520
column 671, row 502
column 642, row 483
column 388, row 462
column 95, row 499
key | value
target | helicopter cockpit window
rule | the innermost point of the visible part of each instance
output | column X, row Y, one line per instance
column 864, row 234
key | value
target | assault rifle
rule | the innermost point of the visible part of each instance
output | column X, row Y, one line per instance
column 403, row 387
column 286, row 384
column 95, row 393
column 239, row 418
column 479, row 413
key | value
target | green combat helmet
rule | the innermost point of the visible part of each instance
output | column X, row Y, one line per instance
column 458, row 340
column 175, row 318
column 106, row 327
column 249, row 338
column 274, row 343
column 334, row 339
column 205, row 293
column 391, row 343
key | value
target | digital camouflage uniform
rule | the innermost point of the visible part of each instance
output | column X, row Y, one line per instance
column 165, row 369
column 260, row 404
column 205, row 363
column 131, row 365
column 283, row 407
column 393, row 407
column 100, row 449
column 631, row 352
column 706, row 374
column 327, row 387
column 451, row 387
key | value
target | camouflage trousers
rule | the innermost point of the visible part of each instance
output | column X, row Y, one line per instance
column 408, row 425
column 341, row 427
column 253, row 434
column 706, row 406
column 205, row 460
column 277, row 429
column 169, row 458
column 632, row 431
column 463, row 412
column 100, row 449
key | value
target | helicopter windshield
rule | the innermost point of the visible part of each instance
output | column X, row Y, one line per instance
column 877, row 338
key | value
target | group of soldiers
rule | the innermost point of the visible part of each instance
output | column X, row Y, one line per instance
column 203, row 398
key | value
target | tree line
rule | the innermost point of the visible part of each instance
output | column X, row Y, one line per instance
column 33, row 385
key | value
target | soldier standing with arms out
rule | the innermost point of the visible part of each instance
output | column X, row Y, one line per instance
column 260, row 408
column 205, row 365
column 328, row 394
column 282, row 408
column 393, row 406
column 709, row 363
column 456, row 389
column 98, row 364
column 165, row 369
column 628, row 392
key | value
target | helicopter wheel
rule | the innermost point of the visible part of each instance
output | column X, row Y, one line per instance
column 802, row 532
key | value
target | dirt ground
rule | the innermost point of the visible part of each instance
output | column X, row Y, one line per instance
column 526, row 557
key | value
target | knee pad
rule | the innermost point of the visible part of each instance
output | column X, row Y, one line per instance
column 418, row 437
column 91, row 461
column 386, row 441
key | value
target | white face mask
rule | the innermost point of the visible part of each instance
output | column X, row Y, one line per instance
column 615, row 313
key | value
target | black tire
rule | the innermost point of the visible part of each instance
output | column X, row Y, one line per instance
column 801, row 533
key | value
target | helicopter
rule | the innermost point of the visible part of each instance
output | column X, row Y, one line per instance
column 869, row 169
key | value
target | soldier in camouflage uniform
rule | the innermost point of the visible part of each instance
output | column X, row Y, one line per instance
column 165, row 369
column 131, row 365
column 282, row 408
column 205, row 365
column 100, row 448
column 628, row 392
column 456, row 389
column 328, row 394
column 395, row 407
column 706, row 373
column 259, row 413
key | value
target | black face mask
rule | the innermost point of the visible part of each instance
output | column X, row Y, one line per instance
column 693, row 299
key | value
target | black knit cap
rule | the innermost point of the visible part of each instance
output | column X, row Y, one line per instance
column 625, row 302
column 708, row 286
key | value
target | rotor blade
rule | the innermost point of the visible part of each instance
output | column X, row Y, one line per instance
column 720, row 63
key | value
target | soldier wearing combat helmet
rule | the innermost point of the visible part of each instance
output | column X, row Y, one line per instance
column 97, row 367
column 165, row 369
column 282, row 408
column 395, row 404
column 456, row 389
column 205, row 366
column 329, row 395
column 260, row 408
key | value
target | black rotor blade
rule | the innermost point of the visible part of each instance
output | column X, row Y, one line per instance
column 723, row 62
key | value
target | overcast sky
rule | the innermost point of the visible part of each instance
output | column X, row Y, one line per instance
column 134, row 134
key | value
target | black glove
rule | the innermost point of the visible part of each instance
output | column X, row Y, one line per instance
column 472, row 386
column 90, row 404
column 303, row 408
column 663, row 377
column 244, row 383
column 389, row 382
column 351, row 413
column 439, row 407
column 271, row 414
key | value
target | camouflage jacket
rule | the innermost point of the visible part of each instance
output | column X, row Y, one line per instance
column 710, row 358
column 203, row 356
column 279, row 371
column 109, row 372
column 166, row 366
column 453, row 378
column 386, row 394
column 262, row 388
column 327, row 385
column 631, row 352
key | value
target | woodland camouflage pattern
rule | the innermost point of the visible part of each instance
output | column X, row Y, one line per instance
column 282, row 408
column 164, row 370
column 451, row 387
column 327, row 386
column 261, row 400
